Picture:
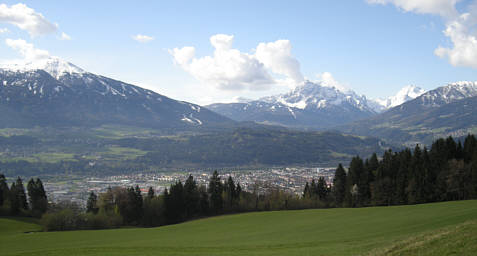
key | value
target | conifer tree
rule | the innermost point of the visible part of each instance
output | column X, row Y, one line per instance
column 37, row 197
column 307, row 191
column 191, row 197
column 20, row 194
column 150, row 193
column 339, row 186
column 92, row 203
column 215, row 190
column 322, row 189
column 4, row 191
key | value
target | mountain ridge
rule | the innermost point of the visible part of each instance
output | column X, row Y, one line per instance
column 57, row 93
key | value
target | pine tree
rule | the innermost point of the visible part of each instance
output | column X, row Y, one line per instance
column 191, row 197
column 204, row 206
column 4, row 191
column 238, row 192
column 37, row 197
column 215, row 190
column 18, row 197
column 14, row 202
column 231, row 193
column 307, row 191
column 139, row 204
column 92, row 203
column 150, row 193
column 322, row 189
column 339, row 186
column 20, row 194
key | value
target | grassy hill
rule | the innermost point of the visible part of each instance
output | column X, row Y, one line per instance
column 428, row 229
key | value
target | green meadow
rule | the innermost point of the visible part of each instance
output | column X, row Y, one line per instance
column 448, row 228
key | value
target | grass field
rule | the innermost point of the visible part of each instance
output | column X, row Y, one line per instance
column 430, row 229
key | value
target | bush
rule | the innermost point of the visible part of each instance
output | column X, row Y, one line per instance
column 58, row 221
column 67, row 219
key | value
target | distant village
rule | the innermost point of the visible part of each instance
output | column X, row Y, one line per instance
column 77, row 189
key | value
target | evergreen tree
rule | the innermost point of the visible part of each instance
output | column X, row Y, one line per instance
column 20, row 194
column 230, row 191
column 204, row 205
column 322, row 189
column 307, row 191
column 150, row 193
column 92, row 203
column 358, row 177
column 238, row 192
column 138, row 204
column 18, row 197
column 14, row 202
column 37, row 197
column 470, row 147
column 339, row 186
column 4, row 191
column 215, row 190
column 191, row 197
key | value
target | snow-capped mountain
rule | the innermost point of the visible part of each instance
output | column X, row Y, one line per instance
column 54, row 66
column 310, row 105
column 313, row 95
column 449, row 93
column 53, row 92
column 447, row 110
column 407, row 93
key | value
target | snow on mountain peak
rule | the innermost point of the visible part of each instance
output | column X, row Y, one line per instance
column 318, row 95
column 55, row 66
column 406, row 93
column 449, row 93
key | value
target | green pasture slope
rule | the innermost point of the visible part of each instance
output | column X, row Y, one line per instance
column 430, row 229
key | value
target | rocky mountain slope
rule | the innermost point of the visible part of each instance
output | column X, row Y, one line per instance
column 447, row 110
column 53, row 92
column 311, row 105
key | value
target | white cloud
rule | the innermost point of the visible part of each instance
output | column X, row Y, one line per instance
column 327, row 79
column 27, row 50
column 65, row 36
column 27, row 19
column 461, row 28
column 445, row 8
column 4, row 30
column 142, row 38
column 231, row 69
column 278, row 58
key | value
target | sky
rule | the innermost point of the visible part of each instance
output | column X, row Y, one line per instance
column 218, row 51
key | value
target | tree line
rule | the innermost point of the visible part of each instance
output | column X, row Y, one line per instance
column 15, row 202
column 447, row 171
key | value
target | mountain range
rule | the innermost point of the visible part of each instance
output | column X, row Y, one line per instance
column 446, row 111
column 53, row 92
column 313, row 105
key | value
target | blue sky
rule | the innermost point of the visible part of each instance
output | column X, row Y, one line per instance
column 374, row 49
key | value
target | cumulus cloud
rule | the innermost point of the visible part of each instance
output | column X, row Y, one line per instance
column 142, row 38
column 445, row 8
column 27, row 19
column 327, row 79
column 27, row 50
column 461, row 28
column 231, row 69
column 278, row 58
